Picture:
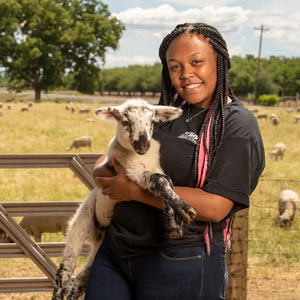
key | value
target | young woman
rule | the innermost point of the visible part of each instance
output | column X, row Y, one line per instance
column 214, row 155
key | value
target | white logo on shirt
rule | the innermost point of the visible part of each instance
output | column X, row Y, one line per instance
column 190, row 136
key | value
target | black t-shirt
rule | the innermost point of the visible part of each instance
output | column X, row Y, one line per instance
column 137, row 228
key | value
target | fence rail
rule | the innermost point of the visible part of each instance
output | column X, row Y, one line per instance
column 24, row 246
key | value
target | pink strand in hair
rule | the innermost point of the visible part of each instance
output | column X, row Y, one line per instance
column 202, row 169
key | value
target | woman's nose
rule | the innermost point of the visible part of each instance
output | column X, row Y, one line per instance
column 186, row 72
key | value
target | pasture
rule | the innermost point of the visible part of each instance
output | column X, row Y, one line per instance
column 273, row 258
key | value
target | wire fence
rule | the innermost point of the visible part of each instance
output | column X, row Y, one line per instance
column 272, row 266
column 264, row 260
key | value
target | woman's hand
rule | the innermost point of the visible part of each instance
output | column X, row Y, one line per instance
column 116, row 186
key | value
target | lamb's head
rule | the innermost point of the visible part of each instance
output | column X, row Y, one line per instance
column 135, row 119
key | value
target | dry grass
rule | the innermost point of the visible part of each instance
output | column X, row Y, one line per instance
column 274, row 265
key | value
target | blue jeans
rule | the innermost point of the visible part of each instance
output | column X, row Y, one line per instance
column 172, row 274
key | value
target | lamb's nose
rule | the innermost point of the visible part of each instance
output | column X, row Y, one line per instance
column 142, row 145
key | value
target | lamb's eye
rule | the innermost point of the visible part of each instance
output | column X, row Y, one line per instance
column 125, row 123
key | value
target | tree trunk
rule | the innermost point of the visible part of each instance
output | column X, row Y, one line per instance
column 37, row 95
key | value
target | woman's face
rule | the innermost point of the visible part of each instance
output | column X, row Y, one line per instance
column 192, row 65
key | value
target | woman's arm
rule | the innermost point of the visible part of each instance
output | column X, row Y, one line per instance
column 209, row 207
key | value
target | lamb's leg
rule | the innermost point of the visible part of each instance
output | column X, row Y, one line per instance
column 81, row 225
column 80, row 282
column 161, row 185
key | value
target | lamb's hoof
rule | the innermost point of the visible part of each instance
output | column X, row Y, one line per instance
column 175, row 233
column 186, row 218
column 189, row 216
column 192, row 213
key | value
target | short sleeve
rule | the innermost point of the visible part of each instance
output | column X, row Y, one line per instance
column 235, row 174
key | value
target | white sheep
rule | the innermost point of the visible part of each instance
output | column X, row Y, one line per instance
column 278, row 151
column 254, row 110
column 296, row 118
column 89, row 120
column 288, row 202
column 36, row 225
column 83, row 141
column 24, row 108
column 274, row 119
column 136, row 151
column 262, row 116
column 84, row 110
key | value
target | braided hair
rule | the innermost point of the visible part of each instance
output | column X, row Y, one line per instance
column 214, row 123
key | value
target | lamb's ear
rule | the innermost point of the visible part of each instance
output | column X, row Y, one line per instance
column 166, row 113
column 109, row 113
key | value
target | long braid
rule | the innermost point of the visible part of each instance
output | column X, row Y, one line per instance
column 215, row 116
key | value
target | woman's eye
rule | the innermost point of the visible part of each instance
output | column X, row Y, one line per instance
column 174, row 67
column 197, row 61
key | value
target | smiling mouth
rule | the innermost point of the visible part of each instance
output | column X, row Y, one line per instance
column 192, row 86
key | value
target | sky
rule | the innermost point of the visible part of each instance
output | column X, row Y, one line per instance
column 239, row 21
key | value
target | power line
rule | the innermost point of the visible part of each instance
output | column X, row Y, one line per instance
column 262, row 29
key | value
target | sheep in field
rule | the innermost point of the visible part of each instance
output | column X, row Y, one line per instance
column 36, row 225
column 24, row 108
column 84, row 110
column 262, row 116
column 136, row 151
column 288, row 202
column 296, row 118
column 254, row 110
column 274, row 119
column 83, row 141
column 278, row 151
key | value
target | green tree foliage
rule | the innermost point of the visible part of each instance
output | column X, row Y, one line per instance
column 268, row 100
column 242, row 74
column 133, row 79
column 41, row 39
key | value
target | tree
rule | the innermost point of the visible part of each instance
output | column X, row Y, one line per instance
column 41, row 39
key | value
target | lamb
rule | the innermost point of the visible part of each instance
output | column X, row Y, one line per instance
column 83, row 141
column 136, row 151
column 288, row 202
column 36, row 225
column 278, row 151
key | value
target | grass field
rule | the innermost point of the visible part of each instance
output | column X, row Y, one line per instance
column 50, row 128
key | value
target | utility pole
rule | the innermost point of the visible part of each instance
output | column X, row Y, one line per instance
column 262, row 29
